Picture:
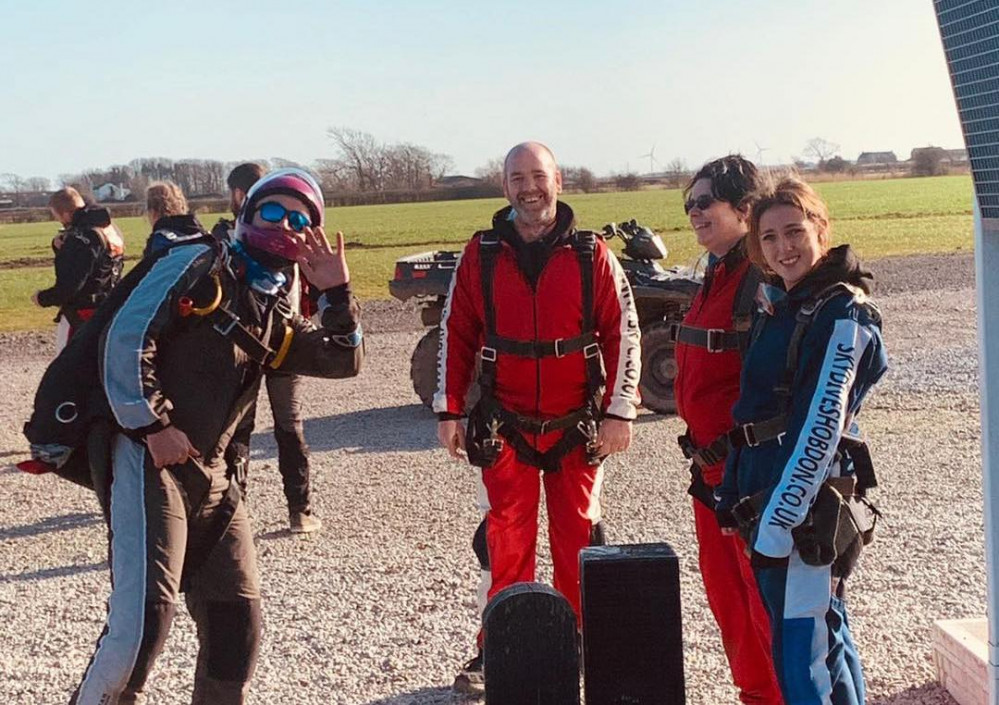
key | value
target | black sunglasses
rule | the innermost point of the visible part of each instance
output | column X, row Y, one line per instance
column 702, row 203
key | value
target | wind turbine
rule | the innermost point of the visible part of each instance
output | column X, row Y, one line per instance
column 652, row 159
column 759, row 153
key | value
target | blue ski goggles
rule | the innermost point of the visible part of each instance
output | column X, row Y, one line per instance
column 274, row 212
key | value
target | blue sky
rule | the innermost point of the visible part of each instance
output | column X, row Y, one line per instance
column 93, row 84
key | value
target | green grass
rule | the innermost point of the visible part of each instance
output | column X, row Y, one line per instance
column 879, row 218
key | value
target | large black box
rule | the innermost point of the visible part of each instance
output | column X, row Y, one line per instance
column 632, row 636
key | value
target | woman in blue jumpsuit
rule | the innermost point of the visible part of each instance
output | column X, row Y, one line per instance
column 797, row 407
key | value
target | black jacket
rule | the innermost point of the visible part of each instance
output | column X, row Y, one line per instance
column 161, row 367
column 89, row 263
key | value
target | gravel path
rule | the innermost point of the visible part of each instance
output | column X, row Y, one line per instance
column 379, row 607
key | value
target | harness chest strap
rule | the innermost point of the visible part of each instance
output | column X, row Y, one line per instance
column 714, row 340
column 717, row 340
column 228, row 324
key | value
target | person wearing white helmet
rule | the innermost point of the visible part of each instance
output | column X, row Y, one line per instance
column 181, row 360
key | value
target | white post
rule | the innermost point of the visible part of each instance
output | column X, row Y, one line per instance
column 987, row 280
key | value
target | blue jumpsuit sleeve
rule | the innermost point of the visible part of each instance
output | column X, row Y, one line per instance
column 727, row 493
column 822, row 395
column 129, row 351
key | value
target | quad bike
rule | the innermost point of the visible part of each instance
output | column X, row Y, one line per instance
column 662, row 297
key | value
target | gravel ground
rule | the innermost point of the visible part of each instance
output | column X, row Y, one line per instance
column 379, row 607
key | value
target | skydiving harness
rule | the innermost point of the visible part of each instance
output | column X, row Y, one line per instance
column 841, row 520
column 490, row 424
column 716, row 340
column 228, row 324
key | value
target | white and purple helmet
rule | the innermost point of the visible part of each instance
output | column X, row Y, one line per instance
column 273, row 246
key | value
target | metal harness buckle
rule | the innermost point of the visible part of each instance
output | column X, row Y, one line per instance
column 591, row 350
column 488, row 354
column 711, row 345
column 559, row 352
column 674, row 332
column 749, row 433
column 226, row 329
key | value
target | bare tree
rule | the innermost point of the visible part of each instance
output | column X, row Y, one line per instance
column 333, row 175
column 579, row 177
column 628, row 182
column 14, row 185
column 929, row 161
column 677, row 170
column 823, row 150
column 282, row 163
column 361, row 153
column 38, row 183
column 492, row 172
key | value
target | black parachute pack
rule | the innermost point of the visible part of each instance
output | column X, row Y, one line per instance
column 71, row 424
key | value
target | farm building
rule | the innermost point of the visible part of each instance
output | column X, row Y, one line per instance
column 952, row 157
column 111, row 192
column 459, row 181
column 870, row 159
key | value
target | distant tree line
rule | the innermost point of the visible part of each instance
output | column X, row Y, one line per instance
column 365, row 170
column 365, row 165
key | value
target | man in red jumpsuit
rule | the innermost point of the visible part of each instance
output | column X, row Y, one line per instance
column 542, row 305
column 709, row 347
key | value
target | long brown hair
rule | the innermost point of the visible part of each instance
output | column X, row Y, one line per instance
column 165, row 198
column 787, row 191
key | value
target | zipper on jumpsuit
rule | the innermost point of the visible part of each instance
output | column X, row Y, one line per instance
column 537, row 360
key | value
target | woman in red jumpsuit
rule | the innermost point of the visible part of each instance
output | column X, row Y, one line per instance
column 709, row 347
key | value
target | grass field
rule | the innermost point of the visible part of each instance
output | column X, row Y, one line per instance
column 880, row 218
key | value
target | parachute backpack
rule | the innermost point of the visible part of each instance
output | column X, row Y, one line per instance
column 70, row 425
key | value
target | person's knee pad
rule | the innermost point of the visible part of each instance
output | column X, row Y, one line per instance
column 480, row 547
column 155, row 629
column 598, row 534
column 232, row 639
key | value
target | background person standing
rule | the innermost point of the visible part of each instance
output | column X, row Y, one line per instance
column 89, row 259
column 283, row 390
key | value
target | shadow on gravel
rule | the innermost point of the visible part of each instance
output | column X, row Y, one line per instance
column 396, row 428
column 65, row 522
column 425, row 696
column 928, row 693
column 60, row 572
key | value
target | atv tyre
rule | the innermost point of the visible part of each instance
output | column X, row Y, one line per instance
column 658, row 369
column 423, row 370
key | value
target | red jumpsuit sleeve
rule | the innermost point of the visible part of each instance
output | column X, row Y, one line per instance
column 461, row 334
column 616, row 322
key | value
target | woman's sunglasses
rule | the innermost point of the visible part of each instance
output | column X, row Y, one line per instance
column 274, row 212
column 701, row 203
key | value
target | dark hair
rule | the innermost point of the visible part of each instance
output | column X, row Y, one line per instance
column 244, row 176
column 734, row 179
